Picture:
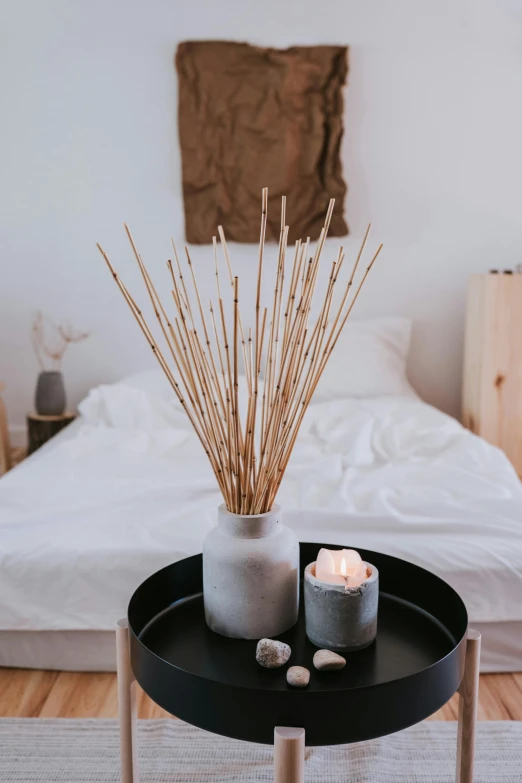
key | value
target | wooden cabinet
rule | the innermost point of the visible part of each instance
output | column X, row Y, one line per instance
column 492, row 383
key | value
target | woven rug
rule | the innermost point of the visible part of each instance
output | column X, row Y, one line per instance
column 86, row 751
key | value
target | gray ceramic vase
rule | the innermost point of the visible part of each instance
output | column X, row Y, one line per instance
column 250, row 575
column 50, row 394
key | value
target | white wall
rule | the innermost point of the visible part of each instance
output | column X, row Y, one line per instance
column 432, row 153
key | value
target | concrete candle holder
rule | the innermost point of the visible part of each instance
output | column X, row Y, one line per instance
column 341, row 618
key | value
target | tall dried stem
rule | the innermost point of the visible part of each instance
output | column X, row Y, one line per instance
column 249, row 457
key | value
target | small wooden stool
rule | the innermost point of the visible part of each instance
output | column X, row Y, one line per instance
column 40, row 429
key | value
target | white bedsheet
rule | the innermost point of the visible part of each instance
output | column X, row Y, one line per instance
column 128, row 490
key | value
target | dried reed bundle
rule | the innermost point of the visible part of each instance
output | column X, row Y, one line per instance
column 249, row 457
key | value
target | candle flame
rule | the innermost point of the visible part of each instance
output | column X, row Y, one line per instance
column 343, row 567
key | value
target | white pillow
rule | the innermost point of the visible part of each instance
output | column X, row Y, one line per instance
column 145, row 401
column 127, row 407
column 153, row 382
column 369, row 360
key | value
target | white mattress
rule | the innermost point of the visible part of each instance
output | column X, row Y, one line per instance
column 127, row 489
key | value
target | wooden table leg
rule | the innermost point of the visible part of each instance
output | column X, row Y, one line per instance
column 289, row 755
column 468, row 704
column 126, row 705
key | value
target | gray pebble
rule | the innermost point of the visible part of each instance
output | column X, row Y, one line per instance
column 328, row 661
column 298, row 676
column 272, row 654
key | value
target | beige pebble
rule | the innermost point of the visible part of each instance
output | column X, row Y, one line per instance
column 328, row 661
column 272, row 654
column 298, row 676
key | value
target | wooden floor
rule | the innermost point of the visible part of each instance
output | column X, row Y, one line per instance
column 44, row 694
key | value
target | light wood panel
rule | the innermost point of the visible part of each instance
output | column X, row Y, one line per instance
column 5, row 446
column 492, row 380
column 39, row 694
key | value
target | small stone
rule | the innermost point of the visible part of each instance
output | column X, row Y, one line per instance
column 298, row 676
column 272, row 654
column 328, row 661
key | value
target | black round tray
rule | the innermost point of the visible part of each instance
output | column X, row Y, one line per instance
column 411, row 670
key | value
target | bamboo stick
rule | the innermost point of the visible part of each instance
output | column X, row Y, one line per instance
column 292, row 347
column 229, row 266
column 236, row 392
column 211, row 370
column 294, row 429
column 159, row 356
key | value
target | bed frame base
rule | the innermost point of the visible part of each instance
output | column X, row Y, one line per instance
column 289, row 743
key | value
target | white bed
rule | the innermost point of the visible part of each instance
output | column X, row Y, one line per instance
column 126, row 490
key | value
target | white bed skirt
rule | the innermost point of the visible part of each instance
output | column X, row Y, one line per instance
column 95, row 651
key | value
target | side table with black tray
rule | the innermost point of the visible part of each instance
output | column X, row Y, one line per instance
column 422, row 655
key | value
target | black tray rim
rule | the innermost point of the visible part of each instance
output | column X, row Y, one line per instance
column 225, row 707
column 456, row 643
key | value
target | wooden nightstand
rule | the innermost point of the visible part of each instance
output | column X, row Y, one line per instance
column 40, row 429
column 492, row 383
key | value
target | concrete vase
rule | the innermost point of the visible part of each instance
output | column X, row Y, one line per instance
column 250, row 575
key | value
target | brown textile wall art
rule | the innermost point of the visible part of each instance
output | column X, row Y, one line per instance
column 251, row 117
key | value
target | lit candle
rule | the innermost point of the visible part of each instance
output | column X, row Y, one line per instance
column 341, row 594
column 340, row 566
